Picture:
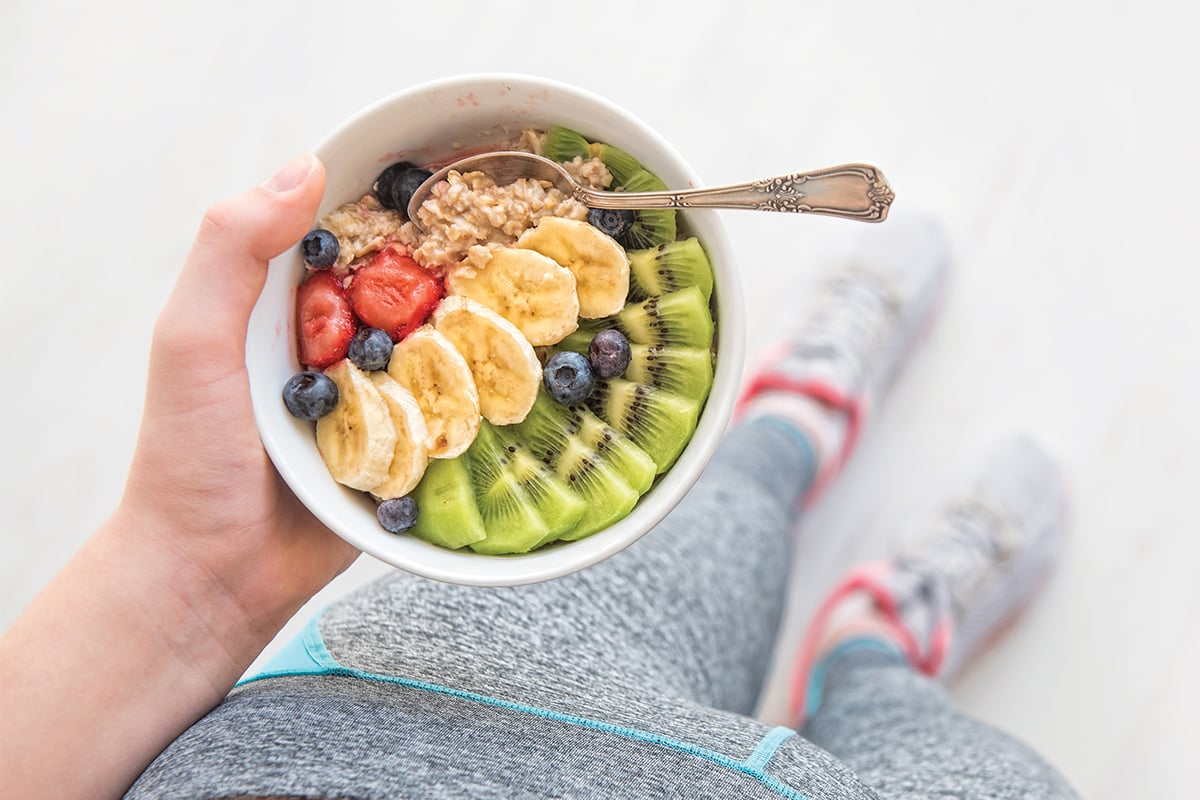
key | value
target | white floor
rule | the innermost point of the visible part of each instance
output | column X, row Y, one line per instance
column 1058, row 140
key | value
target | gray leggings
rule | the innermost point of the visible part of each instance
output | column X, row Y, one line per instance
column 634, row 678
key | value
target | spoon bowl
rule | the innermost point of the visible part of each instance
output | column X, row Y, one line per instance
column 853, row 191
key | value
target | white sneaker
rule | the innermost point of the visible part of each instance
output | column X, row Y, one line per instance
column 979, row 562
column 847, row 353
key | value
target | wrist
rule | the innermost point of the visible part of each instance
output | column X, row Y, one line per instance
column 261, row 551
column 205, row 608
column 189, row 621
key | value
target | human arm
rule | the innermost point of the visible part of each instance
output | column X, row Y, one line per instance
column 207, row 555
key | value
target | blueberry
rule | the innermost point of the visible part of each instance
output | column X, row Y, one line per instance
column 613, row 221
column 397, row 515
column 405, row 184
column 387, row 180
column 320, row 248
column 609, row 353
column 310, row 395
column 568, row 378
column 371, row 349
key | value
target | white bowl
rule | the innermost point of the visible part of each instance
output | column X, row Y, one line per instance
column 434, row 122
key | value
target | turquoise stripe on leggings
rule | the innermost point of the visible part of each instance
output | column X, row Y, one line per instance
column 759, row 759
column 816, row 682
column 306, row 655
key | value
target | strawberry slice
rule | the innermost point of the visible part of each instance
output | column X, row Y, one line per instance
column 394, row 293
column 324, row 320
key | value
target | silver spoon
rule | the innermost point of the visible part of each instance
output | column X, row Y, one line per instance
column 854, row 191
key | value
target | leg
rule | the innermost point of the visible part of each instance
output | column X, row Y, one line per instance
column 904, row 737
column 869, row 689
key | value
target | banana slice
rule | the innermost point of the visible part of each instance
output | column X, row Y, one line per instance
column 411, row 455
column 506, row 370
column 429, row 366
column 530, row 290
column 599, row 264
column 357, row 439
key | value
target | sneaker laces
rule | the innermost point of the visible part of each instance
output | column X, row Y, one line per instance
column 972, row 540
column 849, row 325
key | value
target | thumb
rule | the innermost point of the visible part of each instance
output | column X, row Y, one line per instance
column 227, row 266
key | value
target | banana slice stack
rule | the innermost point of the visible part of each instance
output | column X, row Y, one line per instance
column 474, row 360
column 556, row 273
column 597, row 261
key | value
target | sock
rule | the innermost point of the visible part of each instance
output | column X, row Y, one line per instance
column 825, row 427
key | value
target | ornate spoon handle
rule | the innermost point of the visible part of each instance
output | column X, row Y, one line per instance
column 854, row 191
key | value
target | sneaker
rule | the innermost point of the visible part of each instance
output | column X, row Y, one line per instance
column 871, row 314
column 943, row 598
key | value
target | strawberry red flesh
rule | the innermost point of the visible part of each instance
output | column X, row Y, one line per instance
column 394, row 293
column 324, row 320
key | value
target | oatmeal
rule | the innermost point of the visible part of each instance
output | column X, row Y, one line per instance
column 361, row 228
column 530, row 141
column 591, row 172
column 468, row 216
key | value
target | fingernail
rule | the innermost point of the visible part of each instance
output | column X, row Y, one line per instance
column 292, row 174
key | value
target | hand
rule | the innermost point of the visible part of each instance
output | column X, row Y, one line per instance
column 201, row 484
column 205, row 558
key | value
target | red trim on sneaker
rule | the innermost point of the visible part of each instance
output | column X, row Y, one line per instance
column 871, row 579
column 855, row 409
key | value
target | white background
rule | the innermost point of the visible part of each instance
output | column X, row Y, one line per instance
column 1057, row 140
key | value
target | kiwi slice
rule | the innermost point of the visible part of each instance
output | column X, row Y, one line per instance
column 668, row 268
column 552, row 497
column 446, row 511
column 658, row 421
column 509, row 514
column 650, row 228
column 678, row 319
column 563, row 144
column 685, row 371
column 631, row 461
column 606, row 469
